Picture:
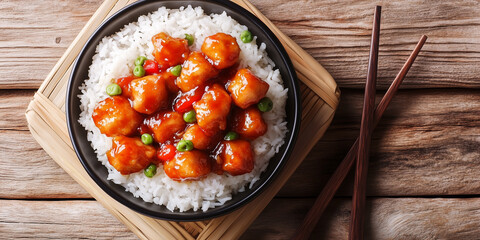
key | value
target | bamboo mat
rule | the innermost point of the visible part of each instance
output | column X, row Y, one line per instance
column 47, row 123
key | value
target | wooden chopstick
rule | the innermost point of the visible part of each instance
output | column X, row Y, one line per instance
column 366, row 130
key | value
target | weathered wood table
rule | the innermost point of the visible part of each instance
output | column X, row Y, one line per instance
column 424, row 177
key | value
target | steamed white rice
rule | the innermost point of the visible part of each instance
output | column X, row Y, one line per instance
column 114, row 58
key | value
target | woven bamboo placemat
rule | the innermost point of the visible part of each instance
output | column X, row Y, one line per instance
column 47, row 123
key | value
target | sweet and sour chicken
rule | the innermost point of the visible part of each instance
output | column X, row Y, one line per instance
column 247, row 89
column 186, row 110
column 129, row 155
column 115, row 116
column 213, row 108
column 169, row 51
column 222, row 50
column 196, row 71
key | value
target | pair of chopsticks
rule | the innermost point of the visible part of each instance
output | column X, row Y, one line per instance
column 360, row 149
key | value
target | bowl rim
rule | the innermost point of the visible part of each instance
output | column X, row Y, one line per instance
column 211, row 212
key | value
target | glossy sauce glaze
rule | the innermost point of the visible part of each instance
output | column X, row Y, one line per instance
column 222, row 97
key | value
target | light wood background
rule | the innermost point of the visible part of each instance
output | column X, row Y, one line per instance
column 424, row 180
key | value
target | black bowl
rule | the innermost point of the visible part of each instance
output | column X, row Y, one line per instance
column 99, row 173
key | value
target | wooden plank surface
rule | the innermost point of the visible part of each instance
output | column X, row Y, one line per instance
column 336, row 34
column 427, row 144
column 391, row 218
column 34, row 36
column 388, row 218
column 77, row 219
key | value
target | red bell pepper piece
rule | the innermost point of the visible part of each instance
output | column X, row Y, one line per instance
column 184, row 102
column 151, row 67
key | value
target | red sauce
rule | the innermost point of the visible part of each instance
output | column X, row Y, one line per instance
column 211, row 84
